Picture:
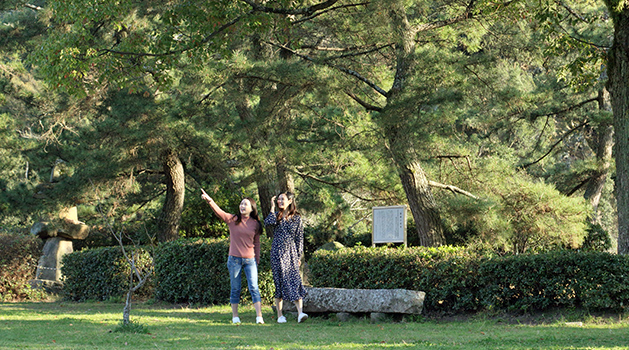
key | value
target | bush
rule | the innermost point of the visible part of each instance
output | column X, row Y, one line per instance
column 19, row 255
column 101, row 274
column 195, row 271
column 467, row 280
column 597, row 239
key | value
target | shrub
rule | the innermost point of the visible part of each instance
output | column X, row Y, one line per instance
column 517, row 213
column 101, row 274
column 597, row 239
column 442, row 271
column 195, row 271
column 466, row 280
column 19, row 255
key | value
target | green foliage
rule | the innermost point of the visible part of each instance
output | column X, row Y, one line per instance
column 597, row 239
column 134, row 327
column 102, row 274
column 198, row 219
column 466, row 280
column 18, row 262
column 440, row 272
column 517, row 212
column 592, row 280
column 195, row 271
column 188, row 76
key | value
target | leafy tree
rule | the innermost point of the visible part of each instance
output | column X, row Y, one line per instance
column 29, row 123
column 618, row 72
column 429, row 80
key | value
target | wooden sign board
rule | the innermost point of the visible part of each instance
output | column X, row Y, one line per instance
column 389, row 225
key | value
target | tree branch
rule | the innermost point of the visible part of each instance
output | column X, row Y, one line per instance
column 337, row 186
column 329, row 10
column 366, row 105
column 555, row 144
column 33, row 7
column 308, row 11
column 579, row 186
column 173, row 52
column 454, row 189
column 446, row 22
column 342, row 69
column 361, row 53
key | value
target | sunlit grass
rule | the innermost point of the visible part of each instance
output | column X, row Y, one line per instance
column 62, row 325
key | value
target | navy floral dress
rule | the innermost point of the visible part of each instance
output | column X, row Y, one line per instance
column 286, row 250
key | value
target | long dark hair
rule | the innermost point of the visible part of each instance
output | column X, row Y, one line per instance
column 290, row 211
column 253, row 214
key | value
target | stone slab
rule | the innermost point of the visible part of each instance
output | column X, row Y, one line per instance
column 323, row 300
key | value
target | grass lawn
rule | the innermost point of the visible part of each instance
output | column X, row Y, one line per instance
column 65, row 325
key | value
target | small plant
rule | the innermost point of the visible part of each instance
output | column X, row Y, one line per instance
column 131, row 327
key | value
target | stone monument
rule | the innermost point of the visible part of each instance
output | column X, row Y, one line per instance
column 57, row 235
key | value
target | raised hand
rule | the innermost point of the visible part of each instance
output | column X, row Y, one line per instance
column 206, row 197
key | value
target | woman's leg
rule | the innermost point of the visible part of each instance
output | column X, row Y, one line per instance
column 234, row 266
column 251, row 271
column 279, row 303
column 301, row 316
column 299, row 306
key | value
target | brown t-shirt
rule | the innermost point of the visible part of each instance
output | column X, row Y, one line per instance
column 244, row 241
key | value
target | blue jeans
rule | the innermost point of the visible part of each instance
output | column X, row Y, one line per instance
column 235, row 266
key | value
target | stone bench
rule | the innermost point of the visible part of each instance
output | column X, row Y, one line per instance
column 381, row 301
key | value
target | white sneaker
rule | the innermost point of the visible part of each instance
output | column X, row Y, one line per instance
column 302, row 317
column 259, row 320
column 281, row 319
column 236, row 320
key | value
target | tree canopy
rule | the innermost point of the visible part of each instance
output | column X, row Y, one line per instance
column 490, row 120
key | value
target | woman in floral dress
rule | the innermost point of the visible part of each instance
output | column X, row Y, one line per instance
column 286, row 251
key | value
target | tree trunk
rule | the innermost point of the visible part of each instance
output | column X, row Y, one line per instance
column 168, row 223
column 422, row 204
column 267, row 188
column 272, row 105
column 126, row 311
column 603, row 142
column 285, row 178
column 618, row 72
column 418, row 193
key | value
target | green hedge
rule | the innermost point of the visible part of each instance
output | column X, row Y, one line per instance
column 101, row 274
column 186, row 271
column 19, row 255
column 195, row 271
column 465, row 280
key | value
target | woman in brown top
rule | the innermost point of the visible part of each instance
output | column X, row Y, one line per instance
column 244, row 251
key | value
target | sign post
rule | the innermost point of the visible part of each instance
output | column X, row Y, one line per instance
column 389, row 225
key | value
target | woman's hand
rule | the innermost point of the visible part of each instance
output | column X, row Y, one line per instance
column 206, row 197
column 273, row 204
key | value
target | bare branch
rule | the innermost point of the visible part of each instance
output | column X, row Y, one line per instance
column 446, row 22
column 308, row 11
column 330, row 10
column 338, row 186
column 555, row 144
column 342, row 69
column 361, row 52
column 366, row 105
column 211, row 92
column 454, row 189
column 33, row 7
